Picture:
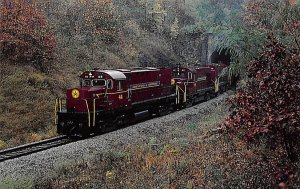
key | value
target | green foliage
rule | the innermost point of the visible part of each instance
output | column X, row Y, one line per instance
column 116, row 155
column 2, row 144
column 277, row 17
column 190, row 185
column 242, row 27
column 63, row 167
column 158, row 13
column 224, row 19
column 175, row 28
column 192, row 126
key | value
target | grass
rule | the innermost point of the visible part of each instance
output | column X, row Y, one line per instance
column 24, row 183
column 26, row 105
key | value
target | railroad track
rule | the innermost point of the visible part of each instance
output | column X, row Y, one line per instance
column 31, row 148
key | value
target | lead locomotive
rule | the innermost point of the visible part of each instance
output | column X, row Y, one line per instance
column 106, row 98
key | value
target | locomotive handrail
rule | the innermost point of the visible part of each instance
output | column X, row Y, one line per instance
column 177, row 96
column 94, row 115
column 60, row 104
column 55, row 111
column 57, row 108
column 178, row 88
column 217, row 85
column 184, row 96
column 89, row 113
column 119, row 92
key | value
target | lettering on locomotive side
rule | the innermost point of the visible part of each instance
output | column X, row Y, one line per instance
column 201, row 78
column 145, row 85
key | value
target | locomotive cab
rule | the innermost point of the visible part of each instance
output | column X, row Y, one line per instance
column 194, row 84
column 99, row 89
column 182, row 74
column 98, row 92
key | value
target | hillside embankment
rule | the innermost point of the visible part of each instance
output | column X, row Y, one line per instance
column 121, row 35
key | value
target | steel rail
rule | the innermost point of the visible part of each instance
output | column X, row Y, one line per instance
column 34, row 147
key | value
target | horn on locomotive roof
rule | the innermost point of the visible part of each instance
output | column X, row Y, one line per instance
column 178, row 65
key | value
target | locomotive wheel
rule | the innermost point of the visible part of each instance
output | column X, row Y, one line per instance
column 113, row 123
column 207, row 96
column 189, row 103
column 163, row 110
column 83, row 132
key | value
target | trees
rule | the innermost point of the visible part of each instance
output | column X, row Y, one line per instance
column 175, row 28
column 263, row 40
column 279, row 17
column 158, row 15
column 100, row 19
column 269, row 106
column 25, row 34
column 224, row 19
column 243, row 26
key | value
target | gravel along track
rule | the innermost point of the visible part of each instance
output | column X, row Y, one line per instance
column 43, row 163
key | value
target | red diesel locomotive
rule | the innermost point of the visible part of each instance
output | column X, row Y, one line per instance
column 107, row 98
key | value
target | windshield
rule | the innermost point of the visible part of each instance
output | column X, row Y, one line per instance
column 99, row 82
column 90, row 83
column 85, row 83
column 179, row 74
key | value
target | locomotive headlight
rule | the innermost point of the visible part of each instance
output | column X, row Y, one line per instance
column 75, row 93
column 173, row 81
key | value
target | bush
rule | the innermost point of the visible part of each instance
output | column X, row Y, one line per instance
column 269, row 106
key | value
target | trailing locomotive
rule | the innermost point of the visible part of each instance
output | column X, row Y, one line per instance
column 199, row 83
column 106, row 98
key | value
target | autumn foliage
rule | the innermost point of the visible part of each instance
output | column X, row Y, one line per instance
column 269, row 106
column 25, row 34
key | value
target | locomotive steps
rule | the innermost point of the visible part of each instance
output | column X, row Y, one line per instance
column 43, row 163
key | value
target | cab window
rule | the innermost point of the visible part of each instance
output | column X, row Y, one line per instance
column 99, row 82
column 119, row 86
column 179, row 74
column 109, row 84
column 190, row 75
column 85, row 83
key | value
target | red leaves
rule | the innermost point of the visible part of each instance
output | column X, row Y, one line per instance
column 24, row 33
column 269, row 105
